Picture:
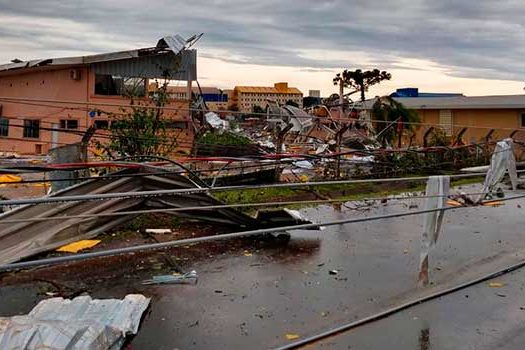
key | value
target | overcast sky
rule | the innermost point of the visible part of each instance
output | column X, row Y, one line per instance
column 471, row 46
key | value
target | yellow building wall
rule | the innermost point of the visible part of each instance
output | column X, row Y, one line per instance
column 478, row 121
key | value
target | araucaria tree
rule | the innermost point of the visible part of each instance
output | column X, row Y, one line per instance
column 360, row 80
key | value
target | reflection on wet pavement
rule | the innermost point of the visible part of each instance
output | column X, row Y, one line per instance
column 424, row 339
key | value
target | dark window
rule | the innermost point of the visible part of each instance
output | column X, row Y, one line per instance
column 31, row 128
column 523, row 120
column 176, row 125
column 4, row 127
column 101, row 124
column 68, row 124
column 106, row 85
column 113, row 85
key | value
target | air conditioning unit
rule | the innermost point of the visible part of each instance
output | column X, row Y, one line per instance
column 74, row 74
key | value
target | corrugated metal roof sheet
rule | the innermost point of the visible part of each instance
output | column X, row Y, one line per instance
column 168, row 45
column 24, row 239
column 460, row 102
column 175, row 42
column 153, row 66
column 81, row 323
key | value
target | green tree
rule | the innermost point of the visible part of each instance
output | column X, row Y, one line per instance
column 292, row 103
column 360, row 80
column 391, row 119
column 140, row 129
column 257, row 109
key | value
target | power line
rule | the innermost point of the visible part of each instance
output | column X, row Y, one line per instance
column 182, row 242
column 155, row 193
column 178, row 109
column 227, row 206
column 396, row 309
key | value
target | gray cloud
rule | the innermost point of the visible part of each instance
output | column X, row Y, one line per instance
column 470, row 38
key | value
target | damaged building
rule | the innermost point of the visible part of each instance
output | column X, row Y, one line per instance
column 49, row 102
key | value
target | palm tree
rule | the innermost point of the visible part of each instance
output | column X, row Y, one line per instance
column 391, row 118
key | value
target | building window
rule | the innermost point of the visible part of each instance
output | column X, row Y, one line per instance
column 68, row 124
column 4, row 127
column 445, row 121
column 176, row 125
column 31, row 128
column 522, row 120
column 101, row 124
column 114, row 85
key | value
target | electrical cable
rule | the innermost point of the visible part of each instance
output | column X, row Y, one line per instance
column 170, row 192
column 170, row 244
column 48, row 103
column 227, row 206
column 396, row 309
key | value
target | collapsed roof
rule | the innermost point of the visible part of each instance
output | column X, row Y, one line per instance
column 23, row 239
column 152, row 62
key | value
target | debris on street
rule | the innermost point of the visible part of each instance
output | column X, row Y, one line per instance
column 186, row 278
column 77, row 246
column 80, row 323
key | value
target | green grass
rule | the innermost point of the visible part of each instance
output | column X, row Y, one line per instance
column 336, row 191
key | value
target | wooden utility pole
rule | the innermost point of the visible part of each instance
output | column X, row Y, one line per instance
column 339, row 140
column 279, row 136
column 341, row 99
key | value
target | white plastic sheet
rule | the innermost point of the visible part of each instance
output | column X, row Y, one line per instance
column 304, row 164
column 80, row 323
column 438, row 188
column 502, row 161
column 215, row 121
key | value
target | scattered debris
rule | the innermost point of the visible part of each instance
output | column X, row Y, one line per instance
column 454, row 203
column 77, row 246
column 502, row 161
column 437, row 190
column 492, row 204
column 18, row 241
column 292, row 336
column 158, row 230
column 80, row 323
column 216, row 122
column 10, row 178
column 176, row 278
column 496, row 285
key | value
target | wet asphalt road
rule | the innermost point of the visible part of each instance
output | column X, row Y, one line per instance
column 480, row 317
column 250, row 297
